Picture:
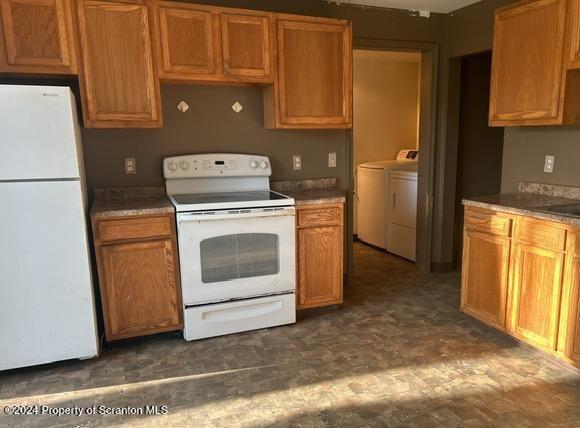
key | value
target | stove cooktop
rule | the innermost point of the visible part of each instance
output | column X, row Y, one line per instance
column 227, row 200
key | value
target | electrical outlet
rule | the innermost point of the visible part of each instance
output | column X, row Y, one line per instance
column 549, row 164
column 297, row 162
column 130, row 166
column 332, row 160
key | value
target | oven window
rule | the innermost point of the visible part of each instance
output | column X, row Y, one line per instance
column 243, row 255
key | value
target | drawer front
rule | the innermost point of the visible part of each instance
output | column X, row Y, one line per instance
column 541, row 233
column 320, row 216
column 488, row 222
column 118, row 230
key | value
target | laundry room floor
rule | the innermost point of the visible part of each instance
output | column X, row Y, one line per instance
column 397, row 353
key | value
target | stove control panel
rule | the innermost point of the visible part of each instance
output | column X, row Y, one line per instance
column 216, row 165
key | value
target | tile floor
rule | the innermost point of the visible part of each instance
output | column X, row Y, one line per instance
column 397, row 354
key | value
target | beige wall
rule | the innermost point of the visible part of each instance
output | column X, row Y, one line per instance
column 385, row 105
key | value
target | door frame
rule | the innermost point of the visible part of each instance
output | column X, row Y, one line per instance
column 427, row 134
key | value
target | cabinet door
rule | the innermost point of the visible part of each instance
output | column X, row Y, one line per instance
column 36, row 37
column 314, row 75
column 573, row 33
column 536, row 287
column 320, row 266
column 484, row 281
column 527, row 63
column 120, row 86
column 572, row 341
column 139, row 287
column 188, row 41
column 246, row 47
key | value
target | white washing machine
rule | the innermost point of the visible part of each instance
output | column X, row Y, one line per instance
column 373, row 196
column 402, row 214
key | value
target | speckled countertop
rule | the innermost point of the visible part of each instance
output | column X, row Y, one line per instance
column 530, row 202
column 134, row 201
column 309, row 192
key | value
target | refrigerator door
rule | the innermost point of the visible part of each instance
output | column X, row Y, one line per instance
column 39, row 135
column 47, row 308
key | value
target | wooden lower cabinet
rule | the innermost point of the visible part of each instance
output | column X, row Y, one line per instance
column 536, row 287
column 524, row 281
column 485, row 277
column 320, row 249
column 138, row 278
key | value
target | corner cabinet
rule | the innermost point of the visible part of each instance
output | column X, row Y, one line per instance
column 521, row 275
column 36, row 37
column 138, row 275
column 119, row 83
column 320, row 249
column 313, row 88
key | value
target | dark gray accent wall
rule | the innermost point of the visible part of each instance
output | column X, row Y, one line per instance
column 524, row 153
column 210, row 125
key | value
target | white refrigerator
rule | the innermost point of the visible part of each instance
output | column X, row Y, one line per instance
column 47, row 309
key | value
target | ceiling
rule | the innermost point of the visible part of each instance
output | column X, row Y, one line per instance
column 441, row 6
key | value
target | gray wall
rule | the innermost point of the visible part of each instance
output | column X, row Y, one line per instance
column 210, row 125
column 525, row 149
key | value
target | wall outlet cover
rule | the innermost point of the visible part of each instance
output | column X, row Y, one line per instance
column 182, row 106
column 130, row 166
column 549, row 164
column 297, row 162
column 332, row 160
column 237, row 107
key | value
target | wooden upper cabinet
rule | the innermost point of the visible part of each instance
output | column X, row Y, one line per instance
column 199, row 43
column 36, row 36
column 527, row 70
column 118, row 80
column 187, row 40
column 246, row 46
column 314, row 82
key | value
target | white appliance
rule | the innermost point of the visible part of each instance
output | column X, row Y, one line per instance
column 47, row 310
column 236, row 244
column 372, row 193
column 402, row 216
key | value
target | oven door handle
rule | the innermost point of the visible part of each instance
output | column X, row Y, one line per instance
column 187, row 217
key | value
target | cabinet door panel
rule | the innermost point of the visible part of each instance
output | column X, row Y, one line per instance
column 314, row 73
column 187, row 40
column 536, row 288
column 120, row 85
column 141, row 292
column 320, row 266
column 37, row 36
column 246, row 46
column 572, row 324
column 485, row 277
column 527, row 62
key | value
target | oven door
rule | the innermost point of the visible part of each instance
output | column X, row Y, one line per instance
column 226, row 255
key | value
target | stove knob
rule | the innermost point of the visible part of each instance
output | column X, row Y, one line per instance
column 172, row 166
column 253, row 164
column 184, row 165
column 264, row 164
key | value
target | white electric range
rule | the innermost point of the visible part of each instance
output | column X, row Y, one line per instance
column 236, row 244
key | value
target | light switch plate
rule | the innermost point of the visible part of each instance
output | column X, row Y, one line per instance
column 332, row 160
column 549, row 164
column 297, row 162
column 130, row 166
